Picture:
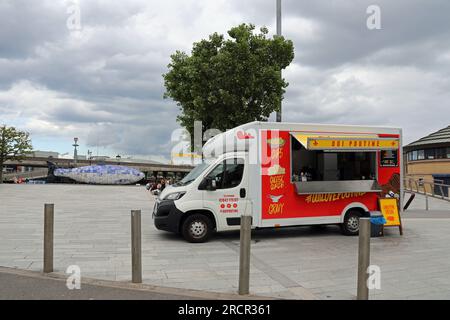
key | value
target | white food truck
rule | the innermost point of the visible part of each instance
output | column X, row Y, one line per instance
column 284, row 174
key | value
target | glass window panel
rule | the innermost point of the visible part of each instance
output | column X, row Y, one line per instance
column 420, row 154
column 233, row 173
column 217, row 174
column 430, row 154
column 441, row 153
column 228, row 174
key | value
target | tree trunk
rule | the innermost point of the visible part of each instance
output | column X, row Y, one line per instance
column 1, row 173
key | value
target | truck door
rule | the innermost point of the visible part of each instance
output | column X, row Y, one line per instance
column 225, row 192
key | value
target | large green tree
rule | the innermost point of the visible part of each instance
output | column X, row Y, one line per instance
column 228, row 82
column 14, row 145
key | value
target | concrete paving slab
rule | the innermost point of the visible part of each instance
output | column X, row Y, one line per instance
column 92, row 229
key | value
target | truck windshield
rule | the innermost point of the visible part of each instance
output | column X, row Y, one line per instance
column 191, row 176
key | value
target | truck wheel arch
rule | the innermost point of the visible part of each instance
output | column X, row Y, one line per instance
column 355, row 206
column 207, row 213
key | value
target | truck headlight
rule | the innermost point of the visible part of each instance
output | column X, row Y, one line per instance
column 174, row 196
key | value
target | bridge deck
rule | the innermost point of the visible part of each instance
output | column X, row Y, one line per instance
column 40, row 162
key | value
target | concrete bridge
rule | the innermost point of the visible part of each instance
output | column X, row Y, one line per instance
column 39, row 163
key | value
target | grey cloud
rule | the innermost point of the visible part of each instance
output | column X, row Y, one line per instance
column 26, row 24
column 342, row 35
column 105, row 82
column 149, row 139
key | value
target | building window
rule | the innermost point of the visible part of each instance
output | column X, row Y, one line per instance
column 441, row 153
column 430, row 154
column 420, row 154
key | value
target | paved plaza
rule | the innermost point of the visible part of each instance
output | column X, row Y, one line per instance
column 92, row 230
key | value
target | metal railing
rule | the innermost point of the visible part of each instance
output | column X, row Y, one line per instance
column 38, row 173
column 419, row 186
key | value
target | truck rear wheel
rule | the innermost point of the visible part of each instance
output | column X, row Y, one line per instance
column 350, row 227
column 197, row 228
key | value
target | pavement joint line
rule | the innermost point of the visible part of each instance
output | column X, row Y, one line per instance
column 275, row 275
column 191, row 293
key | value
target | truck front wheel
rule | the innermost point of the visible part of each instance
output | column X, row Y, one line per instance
column 197, row 228
column 350, row 227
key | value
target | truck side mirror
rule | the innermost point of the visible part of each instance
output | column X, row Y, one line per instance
column 211, row 184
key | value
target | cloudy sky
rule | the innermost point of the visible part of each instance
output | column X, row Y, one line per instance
column 103, row 83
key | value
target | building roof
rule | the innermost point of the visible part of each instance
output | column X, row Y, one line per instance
column 439, row 137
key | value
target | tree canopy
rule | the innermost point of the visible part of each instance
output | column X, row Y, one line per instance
column 14, row 144
column 228, row 82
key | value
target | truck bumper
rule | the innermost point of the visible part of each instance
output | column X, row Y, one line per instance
column 166, row 216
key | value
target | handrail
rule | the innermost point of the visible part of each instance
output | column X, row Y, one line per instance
column 26, row 175
column 419, row 187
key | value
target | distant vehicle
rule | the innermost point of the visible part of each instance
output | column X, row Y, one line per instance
column 96, row 174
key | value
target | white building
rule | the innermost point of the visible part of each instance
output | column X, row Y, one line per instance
column 43, row 154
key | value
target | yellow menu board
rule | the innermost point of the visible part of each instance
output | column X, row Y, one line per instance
column 389, row 209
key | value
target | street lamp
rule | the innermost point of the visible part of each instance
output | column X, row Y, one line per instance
column 75, row 154
column 89, row 152
column 279, row 34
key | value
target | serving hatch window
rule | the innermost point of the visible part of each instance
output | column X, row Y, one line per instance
column 323, row 165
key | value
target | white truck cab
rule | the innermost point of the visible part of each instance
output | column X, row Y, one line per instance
column 284, row 174
column 211, row 197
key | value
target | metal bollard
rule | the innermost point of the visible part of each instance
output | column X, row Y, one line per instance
column 426, row 202
column 136, row 252
column 244, row 257
column 363, row 258
column 48, row 237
